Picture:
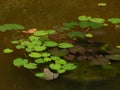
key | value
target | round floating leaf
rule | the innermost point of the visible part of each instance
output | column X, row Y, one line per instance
column 20, row 62
column 51, row 31
column 84, row 24
column 33, row 38
column 7, row 50
column 114, row 20
column 50, row 44
column 40, row 33
column 84, row 18
column 65, row 45
column 47, row 59
column 45, row 54
column 41, row 60
column 89, row 35
column 15, row 42
column 61, row 71
column 114, row 57
column 55, row 66
column 55, row 58
column 41, row 75
column 97, row 20
column 30, row 66
column 39, row 48
column 69, row 66
column 102, row 4
column 35, row 55
column 60, row 61
column 19, row 47
column 29, row 49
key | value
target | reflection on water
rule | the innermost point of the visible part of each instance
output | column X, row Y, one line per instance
column 44, row 14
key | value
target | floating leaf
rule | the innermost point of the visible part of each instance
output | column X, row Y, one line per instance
column 6, row 27
column 60, row 61
column 29, row 49
column 35, row 55
column 95, row 25
column 84, row 24
column 47, row 59
column 70, row 25
column 20, row 62
column 55, row 58
column 19, row 47
column 65, row 45
column 55, row 66
column 69, row 66
column 61, row 71
column 40, row 33
column 30, row 66
column 50, row 44
column 51, row 31
column 39, row 48
column 97, row 20
column 15, row 42
column 89, row 35
column 7, row 50
column 39, row 61
column 114, row 57
column 42, row 74
column 45, row 54
column 33, row 38
column 114, row 20
column 102, row 4
column 84, row 18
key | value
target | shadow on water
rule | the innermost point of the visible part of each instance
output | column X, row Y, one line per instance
column 44, row 14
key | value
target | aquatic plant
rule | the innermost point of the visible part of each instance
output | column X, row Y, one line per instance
column 102, row 4
column 114, row 20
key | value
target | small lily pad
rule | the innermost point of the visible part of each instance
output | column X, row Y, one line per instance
column 114, row 57
column 40, row 33
column 102, row 4
column 19, row 47
column 84, row 18
column 55, row 66
column 35, row 55
column 98, row 20
column 61, row 61
column 40, row 60
column 15, row 42
column 7, row 50
column 20, row 62
column 39, row 48
column 89, row 35
column 69, row 66
column 114, row 20
column 65, row 45
column 30, row 66
column 50, row 44
column 61, row 71
column 42, row 74
column 45, row 54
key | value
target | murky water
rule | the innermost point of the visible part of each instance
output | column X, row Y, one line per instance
column 44, row 14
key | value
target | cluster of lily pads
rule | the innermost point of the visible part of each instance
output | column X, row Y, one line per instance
column 36, row 46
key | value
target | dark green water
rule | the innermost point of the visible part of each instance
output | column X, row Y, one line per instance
column 44, row 14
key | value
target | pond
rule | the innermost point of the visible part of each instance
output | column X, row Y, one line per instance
column 45, row 14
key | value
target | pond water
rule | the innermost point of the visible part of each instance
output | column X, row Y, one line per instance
column 44, row 14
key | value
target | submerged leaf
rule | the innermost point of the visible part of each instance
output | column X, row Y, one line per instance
column 69, row 66
column 114, row 57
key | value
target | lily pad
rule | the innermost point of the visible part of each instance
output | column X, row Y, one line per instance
column 40, row 33
column 39, row 61
column 35, row 55
column 19, row 47
column 89, row 35
column 61, row 61
column 102, row 4
column 51, row 31
column 84, row 24
column 84, row 18
column 69, row 66
column 114, row 57
column 50, row 44
column 30, row 66
column 7, row 50
column 65, row 45
column 41, row 75
column 15, row 42
column 61, row 71
column 97, row 20
column 39, row 48
column 45, row 54
column 20, row 62
column 114, row 20
column 55, row 66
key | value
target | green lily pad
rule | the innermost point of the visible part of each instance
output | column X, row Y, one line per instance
column 33, row 38
column 40, row 33
column 20, row 62
column 30, row 66
column 39, row 61
column 41, row 75
column 65, row 45
column 102, row 4
column 84, row 18
column 61, row 71
column 47, row 59
column 97, row 20
column 15, row 42
column 35, row 55
column 114, row 57
column 55, row 58
column 89, row 35
column 61, row 61
column 19, row 47
column 28, row 49
column 7, row 50
column 45, row 54
column 84, row 24
column 55, row 66
column 50, row 44
column 114, row 20
column 51, row 31
column 69, row 66
column 39, row 48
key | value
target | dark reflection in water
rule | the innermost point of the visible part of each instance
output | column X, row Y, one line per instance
column 44, row 14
